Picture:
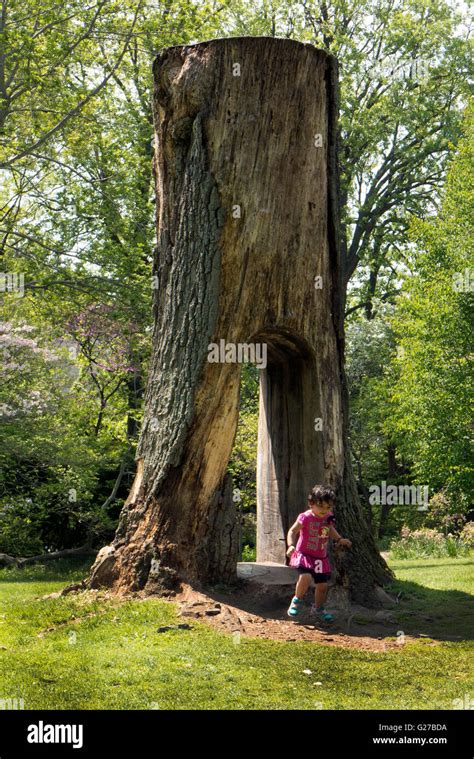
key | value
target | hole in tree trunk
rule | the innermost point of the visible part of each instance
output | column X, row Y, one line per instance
column 289, row 449
column 243, row 462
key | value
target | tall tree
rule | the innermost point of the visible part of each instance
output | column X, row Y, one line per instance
column 77, row 215
column 404, row 71
column 239, row 203
column 77, row 212
column 430, row 379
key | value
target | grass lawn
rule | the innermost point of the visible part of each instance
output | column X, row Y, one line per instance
column 440, row 591
column 79, row 652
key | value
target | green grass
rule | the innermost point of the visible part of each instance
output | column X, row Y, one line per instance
column 437, row 596
column 116, row 659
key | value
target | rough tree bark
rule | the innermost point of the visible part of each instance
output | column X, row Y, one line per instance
column 248, row 252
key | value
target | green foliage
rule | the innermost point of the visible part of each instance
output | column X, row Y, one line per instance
column 77, row 220
column 249, row 553
column 55, row 471
column 409, row 368
column 370, row 344
column 19, row 531
column 243, row 462
column 404, row 72
column 431, row 377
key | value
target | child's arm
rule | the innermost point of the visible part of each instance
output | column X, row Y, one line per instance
column 292, row 536
column 333, row 533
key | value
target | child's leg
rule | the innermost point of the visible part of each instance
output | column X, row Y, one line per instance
column 301, row 587
column 320, row 593
column 304, row 581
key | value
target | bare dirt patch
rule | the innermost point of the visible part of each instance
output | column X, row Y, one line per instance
column 259, row 614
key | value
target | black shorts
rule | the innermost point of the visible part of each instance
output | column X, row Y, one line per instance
column 317, row 576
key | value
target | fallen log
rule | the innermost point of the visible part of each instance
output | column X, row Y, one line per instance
column 22, row 561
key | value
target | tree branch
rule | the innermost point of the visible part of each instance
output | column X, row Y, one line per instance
column 47, row 135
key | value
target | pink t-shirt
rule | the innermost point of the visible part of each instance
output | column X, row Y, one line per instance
column 314, row 534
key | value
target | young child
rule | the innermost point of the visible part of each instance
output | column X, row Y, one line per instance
column 315, row 527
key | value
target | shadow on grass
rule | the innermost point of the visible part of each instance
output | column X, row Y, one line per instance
column 420, row 612
column 440, row 614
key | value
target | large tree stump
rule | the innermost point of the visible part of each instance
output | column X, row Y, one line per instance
column 246, row 178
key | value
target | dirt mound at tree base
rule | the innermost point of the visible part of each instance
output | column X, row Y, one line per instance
column 258, row 612
column 262, row 614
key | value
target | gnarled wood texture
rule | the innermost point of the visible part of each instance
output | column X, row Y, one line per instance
column 246, row 177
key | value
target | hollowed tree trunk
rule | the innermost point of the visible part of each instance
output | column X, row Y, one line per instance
column 247, row 219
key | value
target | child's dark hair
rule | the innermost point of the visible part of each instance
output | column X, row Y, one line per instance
column 322, row 493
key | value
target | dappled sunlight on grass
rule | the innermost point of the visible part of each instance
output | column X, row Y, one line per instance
column 85, row 652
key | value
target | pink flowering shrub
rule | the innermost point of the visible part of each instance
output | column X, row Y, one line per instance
column 424, row 542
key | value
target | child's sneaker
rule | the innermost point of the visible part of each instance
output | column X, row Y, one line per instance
column 320, row 611
column 294, row 610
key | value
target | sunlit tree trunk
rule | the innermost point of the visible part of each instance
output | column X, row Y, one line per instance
column 248, row 253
